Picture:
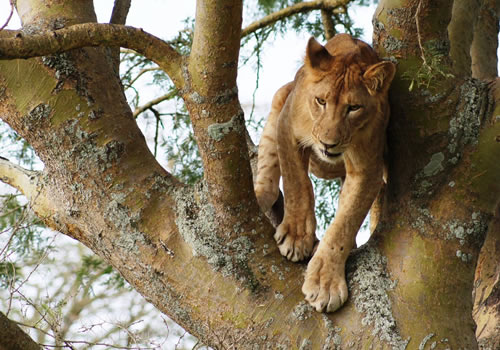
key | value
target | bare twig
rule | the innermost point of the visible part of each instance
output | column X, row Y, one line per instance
column 153, row 103
column 142, row 72
column 419, row 38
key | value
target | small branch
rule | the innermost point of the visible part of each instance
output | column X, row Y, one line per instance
column 326, row 18
column 118, row 16
column 301, row 7
column 154, row 102
column 120, row 11
column 96, row 34
column 22, row 179
column 31, row 184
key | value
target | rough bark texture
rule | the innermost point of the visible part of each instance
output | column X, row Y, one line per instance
column 204, row 255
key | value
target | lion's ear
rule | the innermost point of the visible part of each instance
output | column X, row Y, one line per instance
column 378, row 77
column 317, row 57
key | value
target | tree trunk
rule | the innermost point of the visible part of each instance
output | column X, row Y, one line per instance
column 204, row 255
column 13, row 337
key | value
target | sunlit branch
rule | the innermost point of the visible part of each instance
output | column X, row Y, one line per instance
column 95, row 34
column 301, row 7
column 22, row 179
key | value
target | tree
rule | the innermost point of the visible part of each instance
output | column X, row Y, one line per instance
column 203, row 253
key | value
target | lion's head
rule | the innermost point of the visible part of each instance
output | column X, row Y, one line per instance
column 346, row 86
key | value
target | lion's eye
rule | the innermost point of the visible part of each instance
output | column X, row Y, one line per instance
column 320, row 101
column 353, row 108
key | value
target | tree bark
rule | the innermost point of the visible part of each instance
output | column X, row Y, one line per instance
column 487, row 289
column 485, row 43
column 461, row 32
column 118, row 16
column 13, row 337
column 204, row 255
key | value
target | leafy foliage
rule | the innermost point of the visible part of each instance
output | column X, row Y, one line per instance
column 20, row 230
column 15, row 147
column 431, row 71
column 326, row 194
column 10, row 272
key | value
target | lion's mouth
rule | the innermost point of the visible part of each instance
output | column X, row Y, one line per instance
column 331, row 154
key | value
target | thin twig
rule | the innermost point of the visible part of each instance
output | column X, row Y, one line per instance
column 141, row 72
column 419, row 38
column 154, row 102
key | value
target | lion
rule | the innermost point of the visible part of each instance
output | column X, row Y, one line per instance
column 331, row 121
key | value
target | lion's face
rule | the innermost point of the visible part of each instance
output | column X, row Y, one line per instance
column 346, row 91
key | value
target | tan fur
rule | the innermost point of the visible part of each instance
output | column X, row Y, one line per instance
column 331, row 121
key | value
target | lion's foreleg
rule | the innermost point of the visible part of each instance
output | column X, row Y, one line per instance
column 325, row 286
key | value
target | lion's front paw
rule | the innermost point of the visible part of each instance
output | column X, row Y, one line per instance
column 325, row 287
column 296, row 236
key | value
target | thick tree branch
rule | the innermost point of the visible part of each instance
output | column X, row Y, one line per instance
column 300, row 7
column 214, row 107
column 13, row 337
column 93, row 34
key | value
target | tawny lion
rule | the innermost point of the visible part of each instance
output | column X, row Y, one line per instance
column 330, row 120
